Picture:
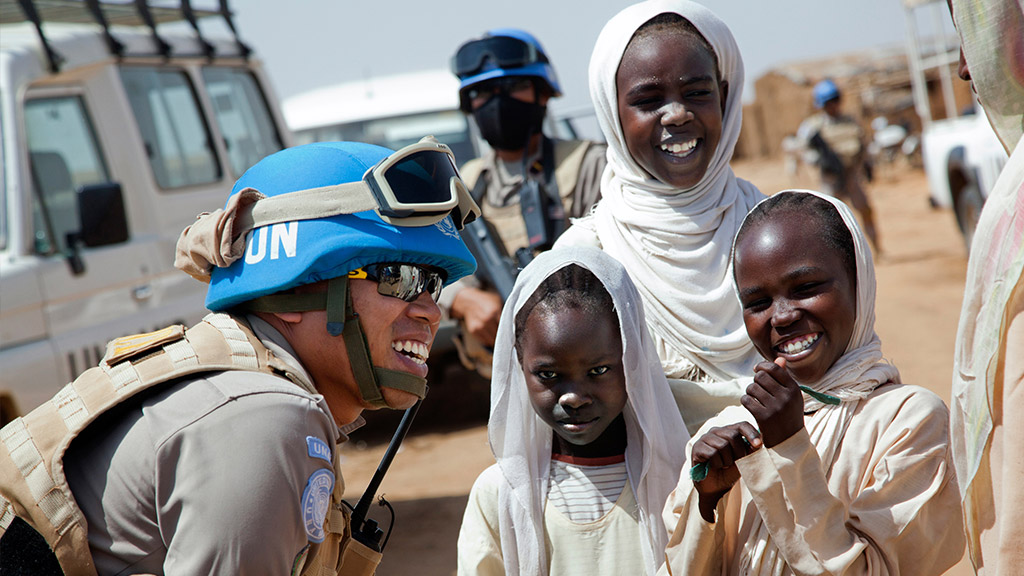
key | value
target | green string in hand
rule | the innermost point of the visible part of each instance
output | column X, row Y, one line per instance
column 699, row 472
column 820, row 396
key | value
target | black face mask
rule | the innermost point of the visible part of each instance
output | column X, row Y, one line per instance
column 506, row 122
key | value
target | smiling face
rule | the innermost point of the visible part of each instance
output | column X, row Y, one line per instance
column 671, row 103
column 572, row 360
column 399, row 334
column 798, row 296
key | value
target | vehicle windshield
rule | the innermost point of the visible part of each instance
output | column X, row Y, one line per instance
column 448, row 126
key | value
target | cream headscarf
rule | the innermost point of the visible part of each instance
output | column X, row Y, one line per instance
column 521, row 441
column 992, row 36
column 858, row 371
column 675, row 243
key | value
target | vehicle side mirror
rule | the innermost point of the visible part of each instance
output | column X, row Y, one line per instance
column 102, row 221
column 101, row 215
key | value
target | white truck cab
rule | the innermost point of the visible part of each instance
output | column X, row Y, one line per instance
column 962, row 155
column 391, row 111
column 115, row 134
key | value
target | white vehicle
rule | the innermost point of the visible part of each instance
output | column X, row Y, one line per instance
column 116, row 133
column 391, row 111
column 962, row 155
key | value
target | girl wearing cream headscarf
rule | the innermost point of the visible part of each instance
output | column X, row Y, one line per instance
column 666, row 80
column 559, row 501
column 988, row 372
column 850, row 472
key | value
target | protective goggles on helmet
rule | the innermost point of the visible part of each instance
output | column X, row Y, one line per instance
column 503, row 51
column 403, row 281
column 415, row 186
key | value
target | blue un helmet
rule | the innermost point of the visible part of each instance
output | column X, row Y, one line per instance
column 501, row 53
column 824, row 92
column 309, row 248
column 325, row 210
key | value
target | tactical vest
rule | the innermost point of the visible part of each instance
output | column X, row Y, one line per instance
column 32, row 482
column 508, row 220
column 844, row 137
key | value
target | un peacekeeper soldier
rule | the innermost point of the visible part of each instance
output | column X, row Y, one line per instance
column 506, row 81
column 214, row 449
column 841, row 154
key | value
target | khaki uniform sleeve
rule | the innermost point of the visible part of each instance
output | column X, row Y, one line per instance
column 230, row 486
column 904, row 520
column 449, row 293
column 588, row 184
column 479, row 548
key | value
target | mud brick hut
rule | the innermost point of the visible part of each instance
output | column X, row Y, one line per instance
column 874, row 83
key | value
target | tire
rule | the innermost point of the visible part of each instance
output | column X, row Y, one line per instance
column 968, row 204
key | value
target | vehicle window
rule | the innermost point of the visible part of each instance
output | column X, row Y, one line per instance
column 448, row 126
column 63, row 155
column 175, row 133
column 242, row 115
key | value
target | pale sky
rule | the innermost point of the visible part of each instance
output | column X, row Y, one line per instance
column 306, row 44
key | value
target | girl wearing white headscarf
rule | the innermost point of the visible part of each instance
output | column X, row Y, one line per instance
column 675, row 242
column 866, row 487
column 988, row 367
column 510, row 527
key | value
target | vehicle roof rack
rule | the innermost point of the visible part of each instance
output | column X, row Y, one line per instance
column 124, row 13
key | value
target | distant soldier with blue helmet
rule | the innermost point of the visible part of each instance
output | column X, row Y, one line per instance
column 837, row 143
column 214, row 449
column 528, row 185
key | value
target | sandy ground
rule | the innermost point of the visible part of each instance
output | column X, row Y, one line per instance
column 920, row 286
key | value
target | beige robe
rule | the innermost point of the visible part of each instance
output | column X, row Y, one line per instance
column 889, row 504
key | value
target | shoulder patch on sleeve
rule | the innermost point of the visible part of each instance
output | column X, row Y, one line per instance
column 316, row 498
column 317, row 448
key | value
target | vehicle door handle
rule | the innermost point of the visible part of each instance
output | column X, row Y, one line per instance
column 143, row 292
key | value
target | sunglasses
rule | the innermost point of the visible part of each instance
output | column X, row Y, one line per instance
column 403, row 281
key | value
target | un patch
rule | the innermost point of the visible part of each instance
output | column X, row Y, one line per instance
column 317, row 448
column 316, row 498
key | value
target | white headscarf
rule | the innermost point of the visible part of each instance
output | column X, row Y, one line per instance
column 675, row 243
column 992, row 37
column 854, row 375
column 861, row 368
column 521, row 441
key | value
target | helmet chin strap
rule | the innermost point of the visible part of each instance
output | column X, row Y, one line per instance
column 343, row 321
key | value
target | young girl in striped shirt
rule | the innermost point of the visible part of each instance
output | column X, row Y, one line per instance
column 587, row 437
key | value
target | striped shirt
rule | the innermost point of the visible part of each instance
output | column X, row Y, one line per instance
column 586, row 489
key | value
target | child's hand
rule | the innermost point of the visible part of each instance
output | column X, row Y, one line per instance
column 776, row 402
column 719, row 449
